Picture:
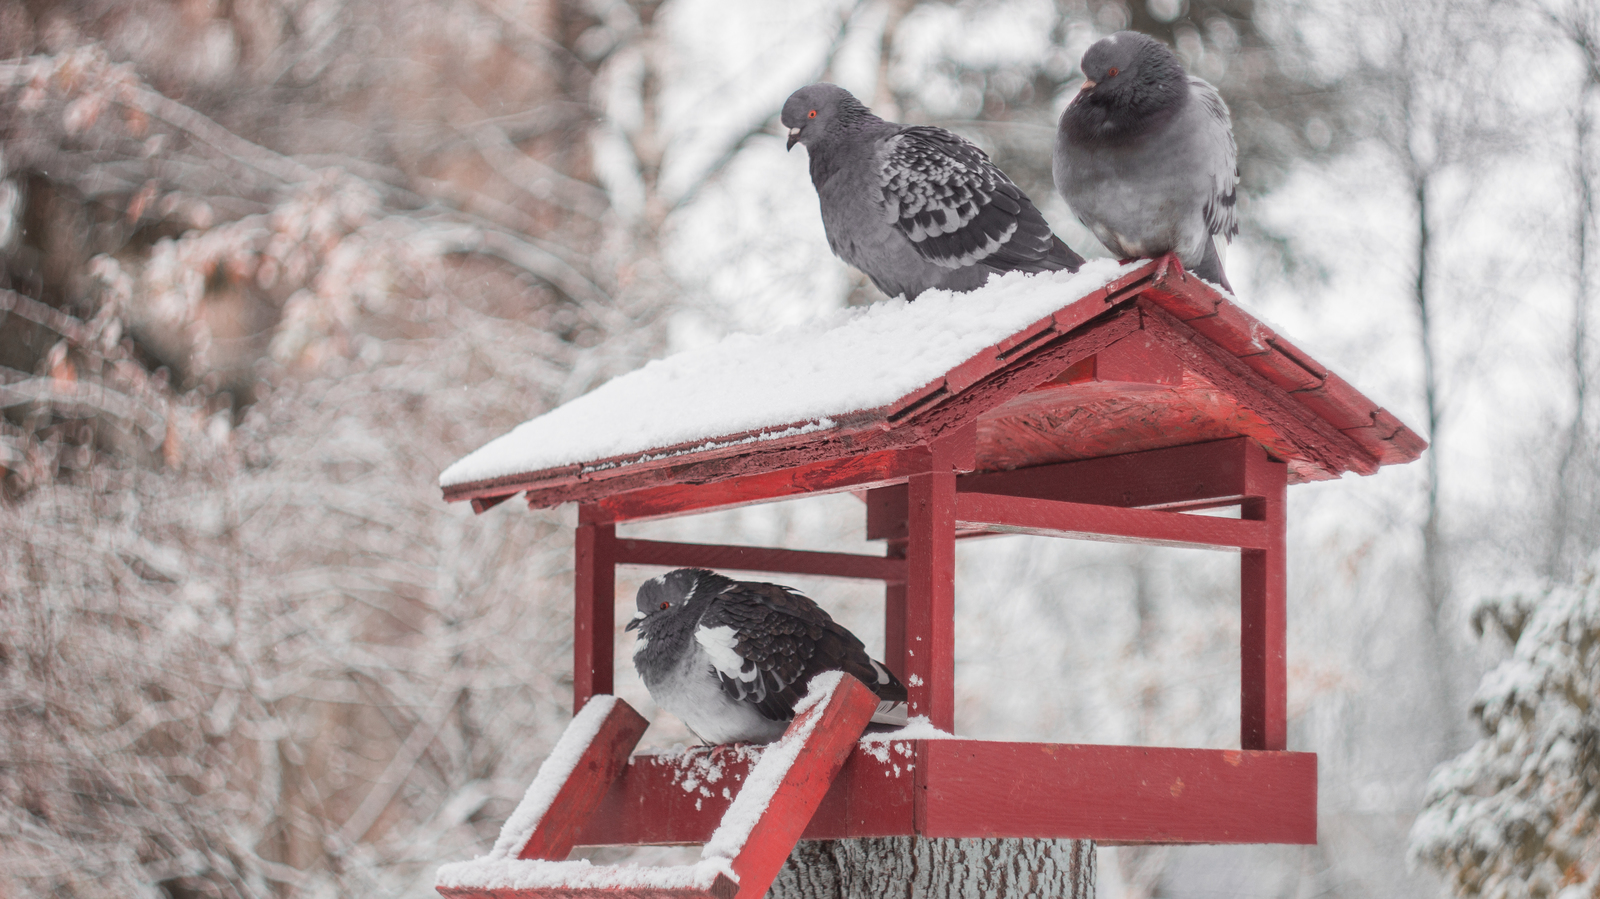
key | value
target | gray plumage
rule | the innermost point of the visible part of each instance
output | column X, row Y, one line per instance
column 1145, row 156
column 731, row 658
column 915, row 207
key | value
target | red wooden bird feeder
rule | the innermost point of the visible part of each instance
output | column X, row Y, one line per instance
column 1112, row 416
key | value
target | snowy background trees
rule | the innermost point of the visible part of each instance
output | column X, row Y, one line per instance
column 267, row 266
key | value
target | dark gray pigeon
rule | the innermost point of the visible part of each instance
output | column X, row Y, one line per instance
column 731, row 658
column 1145, row 156
column 915, row 207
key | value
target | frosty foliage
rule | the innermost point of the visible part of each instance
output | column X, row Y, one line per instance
column 1518, row 814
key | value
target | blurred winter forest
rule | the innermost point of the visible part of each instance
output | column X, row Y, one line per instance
column 267, row 266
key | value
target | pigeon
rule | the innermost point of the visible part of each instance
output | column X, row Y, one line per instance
column 1145, row 156
column 915, row 207
column 731, row 658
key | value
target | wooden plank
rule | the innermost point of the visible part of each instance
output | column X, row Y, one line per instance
column 834, row 724
column 680, row 798
column 1307, row 432
column 1196, row 476
column 1089, row 522
column 721, row 888
column 827, row 476
column 1258, row 796
column 759, row 558
column 1118, row 794
column 601, row 763
column 929, row 672
column 1263, row 626
column 594, row 583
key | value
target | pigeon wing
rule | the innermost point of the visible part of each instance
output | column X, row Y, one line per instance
column 767, row 641
column 1220, row 160
column 958, row 209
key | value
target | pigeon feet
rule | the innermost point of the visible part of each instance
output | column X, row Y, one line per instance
column 1164, row 264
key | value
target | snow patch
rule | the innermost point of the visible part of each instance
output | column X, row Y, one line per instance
column 792, row 381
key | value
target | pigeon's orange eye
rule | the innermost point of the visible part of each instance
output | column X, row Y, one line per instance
column 1112, row 72
column 666, row 605
column 812, row 114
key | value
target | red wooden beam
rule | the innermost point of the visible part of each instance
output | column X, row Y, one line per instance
column 601, row 762
column 826, row 476
column 594, row 582
column 1263, row 630
column 1084, row 521
column 1196, row 476
column 1112, row 794
column 1104, row 793
column 930, row 606
column 826, row 733
column 757, row 558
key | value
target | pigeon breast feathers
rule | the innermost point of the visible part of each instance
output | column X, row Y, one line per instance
column 955, row 206
column 767, row 641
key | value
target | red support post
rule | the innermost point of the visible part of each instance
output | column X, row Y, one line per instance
column 930, row 600
column 1263, row 631
column 594, row 581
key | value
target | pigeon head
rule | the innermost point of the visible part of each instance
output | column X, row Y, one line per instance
column 672, row 591
column 1131, row 82
column 816, row 111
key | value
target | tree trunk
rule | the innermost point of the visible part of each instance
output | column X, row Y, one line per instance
column 894, row 867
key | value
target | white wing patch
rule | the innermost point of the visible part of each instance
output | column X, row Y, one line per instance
column 639, row 643
column 719, row 643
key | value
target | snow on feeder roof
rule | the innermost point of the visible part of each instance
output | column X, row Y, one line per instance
column 1186, row 365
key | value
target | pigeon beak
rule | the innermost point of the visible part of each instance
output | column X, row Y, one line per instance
column 1087, row 86
column 634, row 624
column 794, row 137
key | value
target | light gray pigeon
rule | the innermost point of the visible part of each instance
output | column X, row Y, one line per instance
column 915, row 207
column 1145, row 156
column 731, row 658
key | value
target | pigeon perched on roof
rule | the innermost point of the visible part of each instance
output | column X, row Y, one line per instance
column 731, row 658
column 1145, row 156
column 915, row 207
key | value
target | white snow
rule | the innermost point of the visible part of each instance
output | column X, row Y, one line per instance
column 552, row 774
column 790, row 381
column 764, row 779
column 524, row 874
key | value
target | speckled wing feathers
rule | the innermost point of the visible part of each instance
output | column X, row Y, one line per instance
column 784, row 638
column 955, row 206
column 1221, row 164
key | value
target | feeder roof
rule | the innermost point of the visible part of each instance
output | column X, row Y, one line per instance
column 1116, row 358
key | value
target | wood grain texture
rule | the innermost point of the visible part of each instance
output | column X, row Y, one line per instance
column 721, row 888
column 840, row 720
column 759, row 559
column 908, row 867
column 601, row 763
column 1263, row 609
column 1195, row 476
column 1014, row 514
column 1133, row 794
column 1079, row 791
column 594, row 583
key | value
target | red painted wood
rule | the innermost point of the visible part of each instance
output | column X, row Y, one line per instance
column 721, row 888
column 1083, row 521
column 1118, row 794
column 828, row 476
column 929, row 672
column 1329, row 448
column 594, row 582
column 758, row 558
column 1137, row 359
column 1263, row 631
column 602, row 762
column 841, row 719
column 1196, row 476
column 1068, row 790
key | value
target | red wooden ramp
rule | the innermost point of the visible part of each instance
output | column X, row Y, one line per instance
column 741, row 857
